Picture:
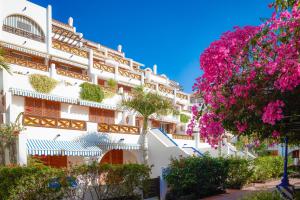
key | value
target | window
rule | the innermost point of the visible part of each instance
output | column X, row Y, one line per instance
column 39, row 107
column 98, row 115
column 23, row 26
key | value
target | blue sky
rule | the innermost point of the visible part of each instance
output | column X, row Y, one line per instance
column 169, row 33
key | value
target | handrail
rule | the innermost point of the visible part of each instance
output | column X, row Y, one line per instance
column 51, row 122
column 118, row 128
column 168, row 136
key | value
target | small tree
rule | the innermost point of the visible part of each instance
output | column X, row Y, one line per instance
column 8, row 140
column 147, row 104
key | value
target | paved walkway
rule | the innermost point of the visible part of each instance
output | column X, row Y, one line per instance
column 237, row 194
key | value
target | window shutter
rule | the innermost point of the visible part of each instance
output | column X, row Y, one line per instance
column 51, row 109
column 33, row 106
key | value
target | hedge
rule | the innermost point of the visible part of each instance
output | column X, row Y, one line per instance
column 200, row 176
column 266, row 168
column 91, row 92
column 203, row 176
column 32, row 182
column 42, row 83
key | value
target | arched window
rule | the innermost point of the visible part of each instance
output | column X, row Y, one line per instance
column 23, row 26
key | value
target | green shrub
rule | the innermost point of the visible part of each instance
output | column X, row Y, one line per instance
column 200, row 176
column 42, row 83
column 184, row 118
column 32, row 182
column 267, row 167
column 265, row 195
column 20, row 182
column 240, row 171
column 91, row 92
column 112, row 84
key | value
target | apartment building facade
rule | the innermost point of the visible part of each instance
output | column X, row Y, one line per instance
column 61, row 128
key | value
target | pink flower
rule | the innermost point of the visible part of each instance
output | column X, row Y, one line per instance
column 242, row 127
column 276, row 134
column 273, row 112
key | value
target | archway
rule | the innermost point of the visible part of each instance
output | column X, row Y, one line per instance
column 113, row 157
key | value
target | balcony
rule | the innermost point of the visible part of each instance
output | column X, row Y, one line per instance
column 150, row 86
column 23, row 33
column 115, row 128
column 59, row 123
column 103, row 67
column 165, row 89
column 72, row 74
column 182, row 96
column 118, row 59
column 25, row 63
column 128, row 74
column 183, row 137
column 69, row 48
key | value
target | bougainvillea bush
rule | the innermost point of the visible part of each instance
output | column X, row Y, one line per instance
column 251, row 79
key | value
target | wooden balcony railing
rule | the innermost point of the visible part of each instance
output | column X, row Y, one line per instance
column 181, row 96
column 118, row 59
column 23, row 33
column 129, row 74
column 25, row 63
column 72, row 74
column 102, row 66
column 49, row 122
column 150, row 85
column 165, row 89
column 69, row 48
column 115, row 128
column 183, row 137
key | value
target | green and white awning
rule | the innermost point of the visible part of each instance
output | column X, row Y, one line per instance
column 51, row 97
column 118, row 146
column 62, row 148
column 97, row 105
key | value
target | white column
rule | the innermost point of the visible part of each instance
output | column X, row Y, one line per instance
column 22, row 155
column 116, row 73
column 131, row 63
column 175, row 94
column 197, row 139
column 91, row 61
column 53, row 73
column 142, row 79
column 49, row 29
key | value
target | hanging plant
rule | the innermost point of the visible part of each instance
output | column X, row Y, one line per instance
column 91, row 92
column 42, row 83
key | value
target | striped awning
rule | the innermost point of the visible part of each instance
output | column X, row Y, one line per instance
column 96, row 105
column 118, row 146
column 67, row 148
column 51, row 97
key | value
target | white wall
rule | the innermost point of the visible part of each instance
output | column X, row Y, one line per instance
column 33, row 11
column 160, row 154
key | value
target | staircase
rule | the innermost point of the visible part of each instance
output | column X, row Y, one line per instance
column 162, row 148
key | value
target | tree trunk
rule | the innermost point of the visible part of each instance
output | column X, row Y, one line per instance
column 2, row 153
column 144, row 141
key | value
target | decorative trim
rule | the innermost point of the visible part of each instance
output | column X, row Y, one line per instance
column 55, row 147
column 75, row 64
column 96, row 105
column 22, row 49
column 124, row 146
column 38, row 95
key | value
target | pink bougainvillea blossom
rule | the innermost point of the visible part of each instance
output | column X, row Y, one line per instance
column 246, row 75
column 273, row 112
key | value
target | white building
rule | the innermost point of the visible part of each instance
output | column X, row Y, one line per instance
column 61, row 128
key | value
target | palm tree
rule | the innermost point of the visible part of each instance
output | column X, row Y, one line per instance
column 3, row 64
column 147, row 104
